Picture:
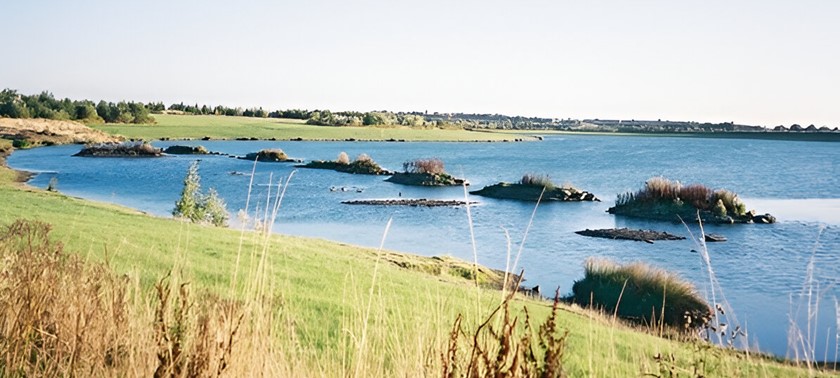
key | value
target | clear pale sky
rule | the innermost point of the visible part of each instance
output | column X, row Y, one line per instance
column 755, row 62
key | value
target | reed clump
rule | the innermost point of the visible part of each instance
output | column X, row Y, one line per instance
column 60, row 316
column 661, row 198
column 540, row 181
column 640, row 293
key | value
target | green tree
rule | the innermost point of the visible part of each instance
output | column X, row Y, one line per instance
column 188, row 205
column 214, row 209
column 197, row 207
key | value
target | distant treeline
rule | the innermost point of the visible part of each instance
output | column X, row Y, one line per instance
column 45, row 105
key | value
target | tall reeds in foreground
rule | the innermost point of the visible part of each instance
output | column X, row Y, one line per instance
column 802, row 341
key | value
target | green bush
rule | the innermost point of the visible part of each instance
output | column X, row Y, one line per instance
column 197, row 207
column 639, row 291
column 21, row 143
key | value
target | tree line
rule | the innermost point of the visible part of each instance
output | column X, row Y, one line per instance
column 45, row 105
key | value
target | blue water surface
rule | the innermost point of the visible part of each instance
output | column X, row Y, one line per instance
column 761, row 268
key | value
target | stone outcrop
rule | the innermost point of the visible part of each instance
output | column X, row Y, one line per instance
column 426, row 179
column 524, row 192
column 418, row 202
column 648, row 236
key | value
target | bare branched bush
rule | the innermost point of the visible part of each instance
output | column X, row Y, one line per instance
column 343, row 158
column 431, row 166
column 502, row 347
column 364, row 158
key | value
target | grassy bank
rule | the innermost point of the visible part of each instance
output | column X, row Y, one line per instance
column 223, row 127
column 335, row 309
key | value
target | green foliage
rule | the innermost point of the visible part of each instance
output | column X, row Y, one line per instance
column 719, row 209
column 21, row 143
column 214, row 209
column 188, row 205
column 639, row 292
column 197, row 207
column 45, row 105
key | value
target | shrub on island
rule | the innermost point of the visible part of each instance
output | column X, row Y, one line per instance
column 271, row 155
column 425, row 172
column 363, row 165
column 641, row 293
column 125, row 149
column 531, row 187
column 664, row 199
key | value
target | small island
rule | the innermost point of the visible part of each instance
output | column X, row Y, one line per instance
column 125, row 149
column 363, row 165
column 414, row 202
column 532, row 187
column 186, row 150
column 270, row 155
column 425, row 172
column 648, row 236
column 663, row 199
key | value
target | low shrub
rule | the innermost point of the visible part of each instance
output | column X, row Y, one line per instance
column 540, row 181
column 343, row 158
column 430, row 166
column 640, row 293
column 269, row 155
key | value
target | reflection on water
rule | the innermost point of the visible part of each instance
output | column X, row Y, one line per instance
column 760, row 267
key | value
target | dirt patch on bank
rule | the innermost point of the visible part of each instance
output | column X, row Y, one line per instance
column 36, row 132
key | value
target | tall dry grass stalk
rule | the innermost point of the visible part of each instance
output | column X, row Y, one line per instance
column 802, row 343
column 724, row 325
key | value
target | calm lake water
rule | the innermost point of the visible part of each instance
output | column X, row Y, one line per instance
column 761, row 269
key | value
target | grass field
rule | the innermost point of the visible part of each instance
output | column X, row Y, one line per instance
column 222, row 127
column 341, row 310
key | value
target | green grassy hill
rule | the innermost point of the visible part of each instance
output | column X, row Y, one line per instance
column 223, row 127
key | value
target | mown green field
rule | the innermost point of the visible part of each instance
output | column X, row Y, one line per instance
column 223, row 127
column 325, row 290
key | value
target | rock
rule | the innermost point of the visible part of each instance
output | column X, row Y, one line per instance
column 186, row 150
column 764, row 219
column 647, row 236
column 408, row 202
column 714, row 238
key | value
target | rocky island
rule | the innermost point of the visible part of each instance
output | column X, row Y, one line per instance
column 186, row 150
column 363, row 165
column 272, row 155
column 425, row 172
column 125, row 149
column 531, row 187
column 668, row 200
column 414, row 202
column 648, row 236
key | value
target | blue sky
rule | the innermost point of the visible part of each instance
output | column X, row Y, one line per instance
column 755, row 62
